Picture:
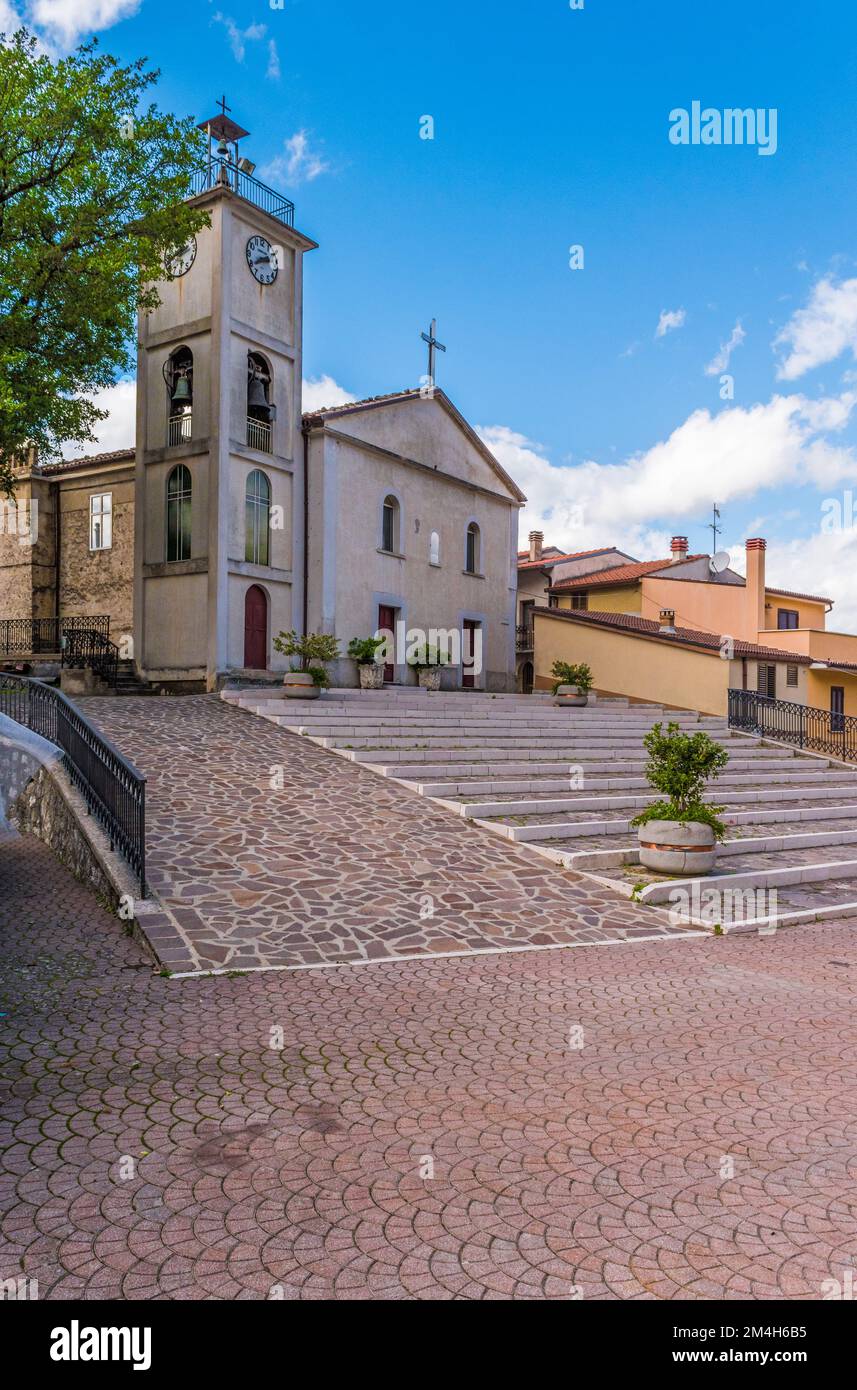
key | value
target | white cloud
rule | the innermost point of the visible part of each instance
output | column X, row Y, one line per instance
column 720, row 361
column 239, row 38
column 323, row 392
column 743, row 449
column 299, row 164
column 821, row 331
column 670, row 319
column 65, row 21
column 274, row 72
column 119, row 429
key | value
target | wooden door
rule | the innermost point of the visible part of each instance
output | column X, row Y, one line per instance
column 255, row 629
column 387, row 623
column 468, row 650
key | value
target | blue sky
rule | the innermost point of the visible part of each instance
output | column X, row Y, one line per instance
column 552, row 130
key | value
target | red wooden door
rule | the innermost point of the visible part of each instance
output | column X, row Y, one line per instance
column 468, row 652
column 387, row 623
column 255, row 629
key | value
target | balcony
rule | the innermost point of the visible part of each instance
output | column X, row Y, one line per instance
column 180, row 428
column 523, row 638
column 222, row 173
column 259, row 434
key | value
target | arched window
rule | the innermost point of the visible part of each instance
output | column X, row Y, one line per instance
column 472, row 548
column 434, row 548
column 261, row 412
column 257, row 518
column 390, row 516
column 178, row 374
column 178, row 513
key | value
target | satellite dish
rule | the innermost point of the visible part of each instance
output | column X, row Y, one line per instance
column 719, row 562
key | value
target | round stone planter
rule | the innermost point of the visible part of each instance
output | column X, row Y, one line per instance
column 677, row 847
column 429, row 677
column 570, row 695
column 371, row 675
column 299, row 685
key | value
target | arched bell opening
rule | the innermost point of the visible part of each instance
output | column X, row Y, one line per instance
column 261, row 411
column 178, row 375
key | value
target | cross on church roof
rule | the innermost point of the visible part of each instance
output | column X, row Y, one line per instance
column 433, row 345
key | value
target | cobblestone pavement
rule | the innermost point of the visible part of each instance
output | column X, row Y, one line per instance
column 337, row 864
column 296, row 1171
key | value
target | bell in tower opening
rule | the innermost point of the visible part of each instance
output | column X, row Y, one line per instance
column 261, row 411
column 178, row 375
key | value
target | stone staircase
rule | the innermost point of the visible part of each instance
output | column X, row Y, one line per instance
column 566, row 784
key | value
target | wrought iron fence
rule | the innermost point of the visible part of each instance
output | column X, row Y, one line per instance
column 523, row 638
column 259, row 434
column 223, row 172
column 819, row 730
column 113, row 789
column 87, row 648
column 32, row 636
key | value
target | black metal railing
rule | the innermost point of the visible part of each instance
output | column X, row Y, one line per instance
column 222, row 172
column 523, row 638
column 87, row 648
column 32, row 636
column 113, row 789
column 818, row 730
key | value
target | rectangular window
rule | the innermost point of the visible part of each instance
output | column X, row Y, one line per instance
column 101, row 521
column 787, row 618
column 580, row 601
column 791, row 675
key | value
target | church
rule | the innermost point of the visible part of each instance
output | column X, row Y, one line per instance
column 235, row 517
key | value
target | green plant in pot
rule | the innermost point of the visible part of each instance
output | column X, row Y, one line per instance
column 428, row 662
column 370, row 666
column 679, row 833
column 571, row 684
column 307, row 677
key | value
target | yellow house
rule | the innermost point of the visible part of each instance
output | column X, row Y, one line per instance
column 660, row 613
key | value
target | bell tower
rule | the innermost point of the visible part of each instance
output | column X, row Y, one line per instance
column 219, row 545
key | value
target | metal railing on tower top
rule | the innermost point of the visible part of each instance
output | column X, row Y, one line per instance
column 218, row 173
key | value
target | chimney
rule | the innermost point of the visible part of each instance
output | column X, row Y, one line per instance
column 755, row 588
column 536, row 542
column 678, row 548
column 667, row 621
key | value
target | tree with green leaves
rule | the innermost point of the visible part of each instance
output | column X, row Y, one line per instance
column 93, row 182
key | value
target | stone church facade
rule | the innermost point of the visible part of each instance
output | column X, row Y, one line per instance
column 234, row 518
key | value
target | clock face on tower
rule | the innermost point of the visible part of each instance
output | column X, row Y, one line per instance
column 262, row 260
column 181, row 260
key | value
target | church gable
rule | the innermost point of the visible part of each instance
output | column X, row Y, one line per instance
column 429, row 431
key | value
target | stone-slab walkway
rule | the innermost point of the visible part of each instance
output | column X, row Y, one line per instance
column 271, row 851
column 672, row 1120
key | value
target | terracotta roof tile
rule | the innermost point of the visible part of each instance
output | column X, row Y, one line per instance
column 90, row 461
column 622, row 574
column 549, row 560
column 683, row 636
column 788, row 593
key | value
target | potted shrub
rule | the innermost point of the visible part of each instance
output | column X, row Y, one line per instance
column 307, row 678
column 427, row 661
column 364, row 650
column 572, row 684
column 679, row 834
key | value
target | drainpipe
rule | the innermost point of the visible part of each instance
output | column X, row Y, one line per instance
column 306, row 529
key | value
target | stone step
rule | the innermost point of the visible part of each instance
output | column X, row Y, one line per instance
column 727, row 790
column 611, row 821
column 604, row 775
column 532, row 768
